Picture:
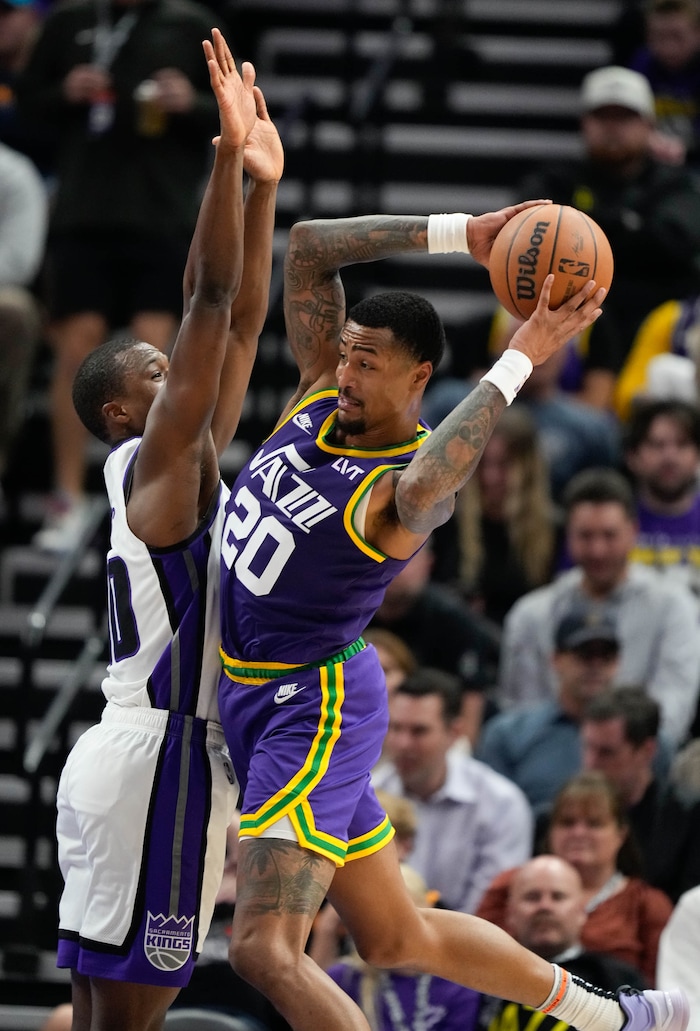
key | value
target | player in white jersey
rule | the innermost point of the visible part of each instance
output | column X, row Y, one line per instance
column 145, row 796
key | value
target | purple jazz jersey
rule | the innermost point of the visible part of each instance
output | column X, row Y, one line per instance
column 299, row 586
column 299, row 583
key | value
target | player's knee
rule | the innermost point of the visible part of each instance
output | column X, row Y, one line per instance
column 387, row 951
column 261, row 961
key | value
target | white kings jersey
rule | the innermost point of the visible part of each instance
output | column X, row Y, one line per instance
column 163, row 607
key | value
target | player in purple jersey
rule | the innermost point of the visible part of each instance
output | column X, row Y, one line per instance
column 146, row 795
column 341, row 495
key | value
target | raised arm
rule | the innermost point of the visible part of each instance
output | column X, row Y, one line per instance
column 176, row 471
column 264, row 162
column 314, row 299
column 426, row 489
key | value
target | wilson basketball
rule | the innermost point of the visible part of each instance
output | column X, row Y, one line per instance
column 547, row 238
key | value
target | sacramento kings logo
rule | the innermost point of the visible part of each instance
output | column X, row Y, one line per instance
column 168, row 941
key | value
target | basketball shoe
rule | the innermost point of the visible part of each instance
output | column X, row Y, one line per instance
column 652, row 1010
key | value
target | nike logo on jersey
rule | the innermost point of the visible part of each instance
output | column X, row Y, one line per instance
column 303, row 421
column 286, row 691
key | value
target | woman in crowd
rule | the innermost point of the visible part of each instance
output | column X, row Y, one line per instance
column 502, row 541
column 588, row 827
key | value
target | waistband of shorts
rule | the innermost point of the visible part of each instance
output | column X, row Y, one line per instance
column 164, row 720
column 260, row 672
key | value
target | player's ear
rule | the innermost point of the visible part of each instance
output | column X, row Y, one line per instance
column 114, row 412
column 423, row 373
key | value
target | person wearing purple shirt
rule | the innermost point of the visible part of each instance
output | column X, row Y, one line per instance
column 400, row 1000
column 662, row 453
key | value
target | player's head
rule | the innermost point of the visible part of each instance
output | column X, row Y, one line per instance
column 389, row 346
column 115, row 386
column 415, row 325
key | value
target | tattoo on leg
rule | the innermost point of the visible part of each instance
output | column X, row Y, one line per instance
column 279, row 876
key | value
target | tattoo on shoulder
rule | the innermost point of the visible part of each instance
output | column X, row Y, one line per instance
column 278, row 876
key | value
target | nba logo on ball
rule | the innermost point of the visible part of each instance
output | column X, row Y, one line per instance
column 167, row 941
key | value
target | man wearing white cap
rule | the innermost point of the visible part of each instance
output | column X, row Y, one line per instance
column 649, row 210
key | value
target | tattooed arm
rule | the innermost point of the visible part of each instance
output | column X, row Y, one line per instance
column 407, row 506
column 314, row 298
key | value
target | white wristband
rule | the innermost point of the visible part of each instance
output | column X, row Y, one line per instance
column 509, row 373
column 448, row 233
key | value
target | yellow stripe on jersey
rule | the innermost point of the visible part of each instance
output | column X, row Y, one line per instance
column 351, row 509
column 332, row 680
column 370, row 842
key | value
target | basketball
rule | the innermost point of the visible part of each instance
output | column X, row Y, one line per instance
column 547, row 238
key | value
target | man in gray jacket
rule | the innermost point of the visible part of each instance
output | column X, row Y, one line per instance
column 656, row 621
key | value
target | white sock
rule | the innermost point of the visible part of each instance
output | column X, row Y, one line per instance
column 581, row 1004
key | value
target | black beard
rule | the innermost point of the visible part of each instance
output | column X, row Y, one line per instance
column 669, row 495
column 345, row 427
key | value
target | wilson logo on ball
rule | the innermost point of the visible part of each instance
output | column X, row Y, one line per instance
column 527, row 264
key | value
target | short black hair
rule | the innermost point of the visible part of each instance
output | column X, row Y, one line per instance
column 600, row 486
column 640, row 713
column 412, row 319
column 427, row 680
column 99, row 380
column 644, row 413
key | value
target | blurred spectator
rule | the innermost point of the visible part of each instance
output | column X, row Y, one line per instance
column 679, row 953
column 23, row 220
column 20, row 21
column 589, row 829
column 403, row 818
column 538, row 746
column 501, row 541
column 546, row 913
column 670, row 60
column 662, row 453
column 442, row 632
column 620, row 738
column 472, row 822
column 650, row 212
column 573, row 435
column 656, row 620
column 395, row 656
column 396, row 999
column 685, row 769
column 130, row 176
column 663, row 361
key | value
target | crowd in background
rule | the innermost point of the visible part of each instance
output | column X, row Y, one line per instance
column 542, row 653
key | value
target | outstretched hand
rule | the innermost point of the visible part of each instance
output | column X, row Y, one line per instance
column 263, row 158
column 234, row 93
column 547, row 329
column 482, row 230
